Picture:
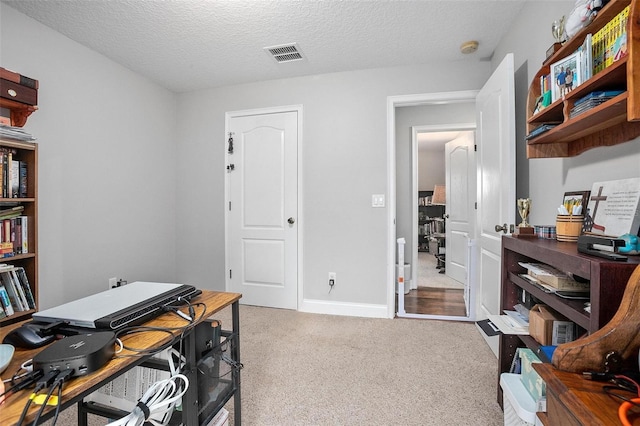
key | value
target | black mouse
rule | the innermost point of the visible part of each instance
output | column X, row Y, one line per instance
column 27, row 337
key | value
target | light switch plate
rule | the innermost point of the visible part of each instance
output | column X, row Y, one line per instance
column 377, row 200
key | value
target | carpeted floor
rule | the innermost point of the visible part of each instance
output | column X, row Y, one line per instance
column 310, row 369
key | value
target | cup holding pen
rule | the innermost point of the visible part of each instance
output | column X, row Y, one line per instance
column 569, row 227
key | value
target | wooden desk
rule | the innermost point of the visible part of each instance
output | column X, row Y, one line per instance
column 77, row 388
column 573, row 400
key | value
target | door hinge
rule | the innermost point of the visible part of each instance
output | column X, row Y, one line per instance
column 229, row 205
column 476, row 205
column 230, row 274
column 475, row 147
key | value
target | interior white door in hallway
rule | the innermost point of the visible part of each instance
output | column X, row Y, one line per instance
column 262, row 207
column 460, row 184
column 495, row 137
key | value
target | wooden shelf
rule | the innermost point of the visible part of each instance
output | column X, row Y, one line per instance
column 27, row 152
column 614, row 122
column 19, row 112
column 608, row 280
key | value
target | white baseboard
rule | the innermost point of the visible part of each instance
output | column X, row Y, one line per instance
column 343, row 308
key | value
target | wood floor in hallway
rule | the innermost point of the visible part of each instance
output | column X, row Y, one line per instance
column 435, row 301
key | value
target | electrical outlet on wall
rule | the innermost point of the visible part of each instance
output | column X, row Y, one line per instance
column 332, row 279
column 113, row 282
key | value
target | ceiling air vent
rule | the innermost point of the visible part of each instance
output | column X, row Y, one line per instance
column 285, row 53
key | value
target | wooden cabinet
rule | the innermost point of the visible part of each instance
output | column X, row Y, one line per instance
column 572, row 400
column 613, row 122
column 27, row 153
column 608, row 280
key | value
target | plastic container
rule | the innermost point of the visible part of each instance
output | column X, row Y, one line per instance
column 519, row 406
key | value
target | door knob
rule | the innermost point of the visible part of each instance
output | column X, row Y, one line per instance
column 291, row 221
column 502, row 228
column 446, row 216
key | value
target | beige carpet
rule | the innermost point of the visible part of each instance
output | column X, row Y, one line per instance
column 309, row 369
column 430, row 276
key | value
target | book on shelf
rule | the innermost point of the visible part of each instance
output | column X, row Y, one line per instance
column 17, row 240
column 609, row 43
column 24, row 281
column 6, row 302
column 592, row 100
column 17, row 133
column 20, row 287
column 23, row 180
column 14, row 296
column 24, row 238
column 14, row 179
column 14, row 236
column 545, row 127
column 586, row 57
column 10, row 212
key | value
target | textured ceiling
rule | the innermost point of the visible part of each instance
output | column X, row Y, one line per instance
column 186, row 45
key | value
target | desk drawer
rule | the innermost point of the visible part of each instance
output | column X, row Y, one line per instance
column 18, row 93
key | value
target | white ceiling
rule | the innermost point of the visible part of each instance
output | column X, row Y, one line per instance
column 187, row 45
column 435, row 141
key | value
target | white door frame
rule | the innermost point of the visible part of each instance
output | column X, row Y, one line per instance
column 415, row 131
column 392, row 103
column 299, row 216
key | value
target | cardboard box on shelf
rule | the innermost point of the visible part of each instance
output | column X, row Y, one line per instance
column 549, row 327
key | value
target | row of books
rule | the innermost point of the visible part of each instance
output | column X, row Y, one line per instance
column 14, row 236
column 610, row 42
column 15, row 291
column 13, row 175
column 598, row 51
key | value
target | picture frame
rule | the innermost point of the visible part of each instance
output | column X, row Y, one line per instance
column 576, row 198
column 560, row 86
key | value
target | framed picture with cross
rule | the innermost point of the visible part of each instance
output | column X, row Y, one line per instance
column 614, row 208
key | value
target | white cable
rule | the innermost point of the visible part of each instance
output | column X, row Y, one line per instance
column 160, row 399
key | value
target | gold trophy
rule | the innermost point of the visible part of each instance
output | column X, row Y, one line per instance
column 557, row 30
column 524, row 230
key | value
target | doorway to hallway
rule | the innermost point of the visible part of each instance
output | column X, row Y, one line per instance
column 406, row 113
column 443, row 192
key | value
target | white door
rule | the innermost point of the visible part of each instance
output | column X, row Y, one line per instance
column 460, row 187
column 495, row 138
column 262, row 208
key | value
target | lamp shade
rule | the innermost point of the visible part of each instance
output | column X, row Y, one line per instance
column 439, row 195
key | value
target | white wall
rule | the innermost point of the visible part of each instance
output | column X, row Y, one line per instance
column 546, row 180
column 344, row 162
column 132, row 176
column 431, row 168
column 106, row 164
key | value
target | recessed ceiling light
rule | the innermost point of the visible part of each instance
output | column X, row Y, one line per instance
column 469, row 47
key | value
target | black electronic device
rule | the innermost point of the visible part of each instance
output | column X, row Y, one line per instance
column 82, row 353
column 28, row 337
column 587, row 244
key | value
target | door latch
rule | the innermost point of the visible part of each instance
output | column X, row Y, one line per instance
column 230, row 167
